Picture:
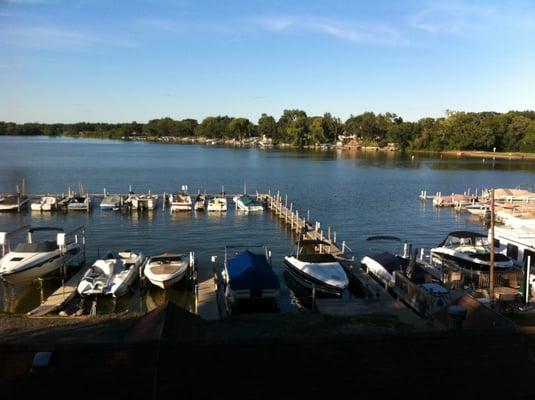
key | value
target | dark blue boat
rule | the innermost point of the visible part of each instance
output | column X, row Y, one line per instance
column 249, row 276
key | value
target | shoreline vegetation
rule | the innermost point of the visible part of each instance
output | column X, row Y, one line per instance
column 508, row 135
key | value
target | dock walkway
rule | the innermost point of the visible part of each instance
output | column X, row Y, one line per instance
column 60, row 297
column 207, row 307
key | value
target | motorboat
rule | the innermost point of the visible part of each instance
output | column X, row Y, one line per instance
column 318, row 271
column 35, row 259
column 13, row 202
column 111, row 202
column 200, row 202
column 479, row 209
column 217, row 203
column 111, row 275
column 248, row 276
column 382, row 265
column 247, row 203
column 180, row 202
column 166, row 269
column 468, row 250
column 140, row 202
column 45, row 203
column 79, row 203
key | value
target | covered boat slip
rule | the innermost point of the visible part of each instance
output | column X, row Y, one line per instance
column 250, row 276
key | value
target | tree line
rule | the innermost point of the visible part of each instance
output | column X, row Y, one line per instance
column 512, row 131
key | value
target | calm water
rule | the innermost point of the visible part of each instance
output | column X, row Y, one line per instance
column 358, row 195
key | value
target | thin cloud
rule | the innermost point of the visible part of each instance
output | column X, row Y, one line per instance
column 460, row 18
column 354, row 32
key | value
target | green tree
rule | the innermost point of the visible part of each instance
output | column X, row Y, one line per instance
column 267, row 126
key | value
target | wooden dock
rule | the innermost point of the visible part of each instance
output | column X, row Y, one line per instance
column 60, row 297
column 300, row 223
column 206, row 302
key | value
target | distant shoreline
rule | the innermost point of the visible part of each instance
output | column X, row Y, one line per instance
column 351, row 147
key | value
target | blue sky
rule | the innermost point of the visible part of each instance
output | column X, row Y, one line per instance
column 115, row 61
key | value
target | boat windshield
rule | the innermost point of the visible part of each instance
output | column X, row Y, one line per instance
column 479, row 245
column 40, row 247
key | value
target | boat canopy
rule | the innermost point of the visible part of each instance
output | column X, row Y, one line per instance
column 390, row 262
column 250, row 271
column 39, row 247
column 248, row 200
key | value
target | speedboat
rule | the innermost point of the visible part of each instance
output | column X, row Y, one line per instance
column 382, row 265
column 13, row 202
column 111, row 202
column 167, row 269
column 142, row 201
column 111, row 275
column 180, row 202
column 35, row 259
column 247, row 203
column 79, row 203
column 319, row 271
column 217, row 203
column 199, row 202
column 249, row 276
column 468, row 250
column 45, row 203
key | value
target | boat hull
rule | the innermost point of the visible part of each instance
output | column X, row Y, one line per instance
column 39, row 270
column 167, row 282
column 311, row 282
column 442, row 257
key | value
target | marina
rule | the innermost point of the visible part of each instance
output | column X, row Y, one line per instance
column 290, row 222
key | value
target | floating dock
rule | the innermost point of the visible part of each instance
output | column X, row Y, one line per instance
column 206, row 302
column 60, row 297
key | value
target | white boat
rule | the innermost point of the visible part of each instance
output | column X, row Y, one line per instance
column 382, row 264
column 469, row 251
column 110, row 275
column 247, row 203
column 479, row 209
column 180, row 202
column 45, row 203
column 35, row 259
column 321, row 272
column 13, row 202
column 167, row 269
column 142, row 201
column 79, row 203
column 217, row 203
column 111, row 202
column 515, row 243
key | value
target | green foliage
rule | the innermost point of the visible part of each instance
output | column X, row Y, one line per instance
column 512, row 131
column 267, row 126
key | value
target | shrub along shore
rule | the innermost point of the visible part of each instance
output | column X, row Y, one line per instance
column 467, row 132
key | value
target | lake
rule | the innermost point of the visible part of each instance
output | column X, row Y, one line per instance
column 358, row 194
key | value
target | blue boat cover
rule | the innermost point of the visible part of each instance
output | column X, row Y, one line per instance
column 250, row 271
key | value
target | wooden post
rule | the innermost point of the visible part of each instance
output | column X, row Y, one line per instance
column 329, row 233
column 308, row 215
column 491, row 276
column 164, row 200
column 528, row 267
column 297, row 220
column 286, row 201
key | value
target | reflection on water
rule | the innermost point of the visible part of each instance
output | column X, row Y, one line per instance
column 359, row 194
